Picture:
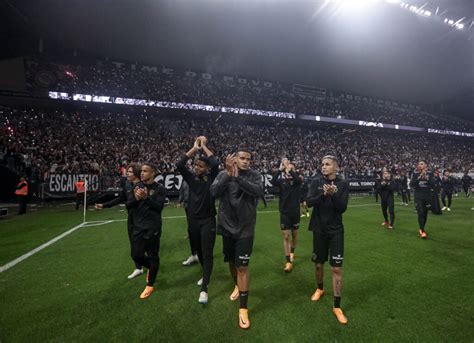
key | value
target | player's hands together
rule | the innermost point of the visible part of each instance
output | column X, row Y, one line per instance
column 140, row 193
column 229, row 164
column 99, row 206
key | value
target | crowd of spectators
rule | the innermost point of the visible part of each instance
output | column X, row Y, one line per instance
column 40, row 142
column 106, row 78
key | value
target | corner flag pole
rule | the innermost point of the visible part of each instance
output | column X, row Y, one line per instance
column 85, row 200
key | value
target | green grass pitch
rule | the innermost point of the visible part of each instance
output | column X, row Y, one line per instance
column 397, row 287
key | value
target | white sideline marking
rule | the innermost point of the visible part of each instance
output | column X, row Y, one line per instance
column 97, row 223
column 41, row 247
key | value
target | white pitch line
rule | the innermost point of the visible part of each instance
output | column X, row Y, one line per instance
column 41, row 247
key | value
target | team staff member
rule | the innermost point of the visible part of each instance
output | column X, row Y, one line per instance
column 386, row 191
column 328, row 196
column 148, row 205
column 201, row 212
column 423, row 184
column 289, row 183
column 21, row 193
column 127, row 196
column 239, row 189
column 80, row 190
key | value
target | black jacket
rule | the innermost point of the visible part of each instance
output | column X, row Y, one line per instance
column 447, row 184
column 201, row 203
column 238, row 202
column 422, row 187
column 147, row 212
column 290, row 192
column 328, row 209
column 126, row 196
column 386, row 189
column 466, row 180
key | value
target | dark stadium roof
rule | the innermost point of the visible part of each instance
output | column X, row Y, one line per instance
column 382, row 50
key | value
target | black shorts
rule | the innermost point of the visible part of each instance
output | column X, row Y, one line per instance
column 237, row 251
column 290, row 221
column 328, row 245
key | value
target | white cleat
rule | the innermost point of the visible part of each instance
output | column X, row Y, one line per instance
column 449, row 209
column 444, row 208
column 190, row 260
column 203, row 298
column 135, row 273
column 199, row 283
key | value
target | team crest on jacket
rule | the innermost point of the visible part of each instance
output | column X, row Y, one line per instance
column 205, row 178
column 152, row 191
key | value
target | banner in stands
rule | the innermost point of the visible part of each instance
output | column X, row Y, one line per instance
column 194, row 74
column 65, row 183
column 167, row 104
column 62, row 185
column 318, row 93
column 361, row 185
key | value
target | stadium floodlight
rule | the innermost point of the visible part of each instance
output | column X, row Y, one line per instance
column 460, row 26
column 427, row 13
column 451, row 22
column 445, row 20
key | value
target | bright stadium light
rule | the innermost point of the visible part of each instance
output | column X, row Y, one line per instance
column 427, row 13
column 451, row 22
column 460, row 26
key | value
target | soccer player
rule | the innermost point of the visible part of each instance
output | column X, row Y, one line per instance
column 466, row 184
column 289, row 183
column 403, row 180
column 436, row 206
column 201, row 208
column 377, row 186
column 304, row 192
column 447, row 186
column 423, row 185
column 239, row 189
column 149, row 202
column 328, row 196
column 127, row 196
column 183, row 201
column 386, row 189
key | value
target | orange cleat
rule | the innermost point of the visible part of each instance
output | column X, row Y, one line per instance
column 317, row 294
column 341, row 318
column 244, row 321
column 147, row 292
column 235, row 294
